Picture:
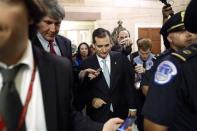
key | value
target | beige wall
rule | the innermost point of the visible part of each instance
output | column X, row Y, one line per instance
column 133, row 13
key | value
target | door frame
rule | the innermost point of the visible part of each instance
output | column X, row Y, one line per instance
column 146, row 25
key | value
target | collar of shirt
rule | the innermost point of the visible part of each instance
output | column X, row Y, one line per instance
column 35, row 117
column 151, row 57
column 44, row 42
column 108, row 62
column 26, row 59
column 149, row 61
column 138, row 59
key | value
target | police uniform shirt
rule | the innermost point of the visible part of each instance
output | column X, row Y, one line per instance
column 149, row 73
column 148, row 63
column 172, row 99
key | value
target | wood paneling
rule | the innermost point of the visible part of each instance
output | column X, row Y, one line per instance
column 154, row 35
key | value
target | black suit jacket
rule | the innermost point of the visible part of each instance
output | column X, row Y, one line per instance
column 64, row 44
column 56, row 83
column 121, row 92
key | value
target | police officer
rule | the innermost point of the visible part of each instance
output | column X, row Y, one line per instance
column 172, row 101
column 174, row 36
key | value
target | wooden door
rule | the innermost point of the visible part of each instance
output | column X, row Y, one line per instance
column 154, row 35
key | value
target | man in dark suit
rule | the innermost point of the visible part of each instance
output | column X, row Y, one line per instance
column 43, row 82
column 48, row 29
column 112, row 95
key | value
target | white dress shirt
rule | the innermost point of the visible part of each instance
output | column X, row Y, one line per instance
column 45, row 44
column 108, row 62
column 35, row 117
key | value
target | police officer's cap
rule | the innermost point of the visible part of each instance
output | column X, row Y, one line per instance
column 174, row 24
column 190, row 17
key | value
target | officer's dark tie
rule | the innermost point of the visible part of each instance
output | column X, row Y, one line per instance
column 144, row 65
column 10, row 103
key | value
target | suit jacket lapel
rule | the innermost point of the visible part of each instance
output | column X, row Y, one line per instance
column 47, row 77
column 113, row 71
column 61, row 46
column 37, row 42
column 95, row 62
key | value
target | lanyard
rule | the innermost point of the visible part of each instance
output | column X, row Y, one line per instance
column 28, row 98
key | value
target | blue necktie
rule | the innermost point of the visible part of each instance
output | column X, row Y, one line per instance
column 107, row 78
column 106, row 72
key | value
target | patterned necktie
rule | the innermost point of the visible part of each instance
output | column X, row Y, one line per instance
column 106, row 72
column 51, row 46
column 11, row 106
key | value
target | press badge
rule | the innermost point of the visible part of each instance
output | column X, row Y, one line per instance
column 165, row 72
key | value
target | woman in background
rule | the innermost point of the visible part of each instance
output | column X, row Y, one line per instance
column 82, row 53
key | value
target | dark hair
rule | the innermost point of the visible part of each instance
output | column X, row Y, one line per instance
column 35, row 14
column 37, row 11
column 34, row 11
column 78, row 49
column 100, row 33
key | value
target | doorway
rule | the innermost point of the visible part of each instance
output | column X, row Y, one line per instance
column 77, row 31
column 154, row 35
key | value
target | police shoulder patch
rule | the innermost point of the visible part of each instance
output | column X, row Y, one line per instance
column 165, row 72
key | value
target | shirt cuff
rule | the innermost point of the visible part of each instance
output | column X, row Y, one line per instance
column 132, row 110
